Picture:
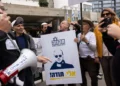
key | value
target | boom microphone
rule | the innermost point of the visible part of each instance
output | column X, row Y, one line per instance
column 26, row 59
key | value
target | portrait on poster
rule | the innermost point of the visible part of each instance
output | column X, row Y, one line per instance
column 61, row 49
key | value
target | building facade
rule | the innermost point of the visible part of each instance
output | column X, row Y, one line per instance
column 101, row 4
column 28, row 2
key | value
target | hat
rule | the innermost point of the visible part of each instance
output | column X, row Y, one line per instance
column 19, row 20
column 110, row 10
column 87, row 21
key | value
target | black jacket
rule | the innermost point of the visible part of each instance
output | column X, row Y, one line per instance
column 110, row 43
column 63, row 65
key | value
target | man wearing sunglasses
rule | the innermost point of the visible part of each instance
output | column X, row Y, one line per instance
column 59, row 61
column 105, row 53
column 64, row 26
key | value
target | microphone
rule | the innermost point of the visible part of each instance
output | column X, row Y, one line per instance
column 26, row 59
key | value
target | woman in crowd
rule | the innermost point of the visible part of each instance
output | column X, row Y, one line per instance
column 108, row 16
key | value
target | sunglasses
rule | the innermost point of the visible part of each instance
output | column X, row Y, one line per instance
column 56, row 56
column 106, row 14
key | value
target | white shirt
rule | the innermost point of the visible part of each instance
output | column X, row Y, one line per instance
column 87, row 50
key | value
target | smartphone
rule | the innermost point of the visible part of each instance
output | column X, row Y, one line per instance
column 106, row 21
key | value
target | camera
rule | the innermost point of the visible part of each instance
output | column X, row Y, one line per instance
column 106, row 21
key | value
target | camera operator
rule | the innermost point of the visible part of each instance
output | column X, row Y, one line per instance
column 111, row 72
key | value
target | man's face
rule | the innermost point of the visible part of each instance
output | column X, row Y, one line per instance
column 64, row 26
column 58, row 56
column 19, row 29
column 44, row 28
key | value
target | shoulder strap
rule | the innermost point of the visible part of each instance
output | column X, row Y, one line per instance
column 13, row 43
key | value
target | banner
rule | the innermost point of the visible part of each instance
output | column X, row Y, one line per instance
column 62, row 51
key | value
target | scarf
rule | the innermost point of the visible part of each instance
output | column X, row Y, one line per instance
column 99, row 40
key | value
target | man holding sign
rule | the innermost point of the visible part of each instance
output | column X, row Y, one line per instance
column 63, row 52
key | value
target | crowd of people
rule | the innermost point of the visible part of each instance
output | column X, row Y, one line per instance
column 97, row 44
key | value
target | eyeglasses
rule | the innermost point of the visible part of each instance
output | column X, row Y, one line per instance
column 106, row 14
column 56, row 56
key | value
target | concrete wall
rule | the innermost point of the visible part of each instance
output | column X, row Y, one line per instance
column 33, row 11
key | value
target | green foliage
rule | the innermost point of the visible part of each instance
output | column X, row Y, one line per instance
column 43, row 3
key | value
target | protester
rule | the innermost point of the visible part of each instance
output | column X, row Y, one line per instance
column 87, row 48
column 46, row 28
column 64, row 26
column 106, row 53
column 8, row 52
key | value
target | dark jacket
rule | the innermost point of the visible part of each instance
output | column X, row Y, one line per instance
column 8, row 56
column 114, row 48
column 29, row 41
column 63, row 66
column 111, row 43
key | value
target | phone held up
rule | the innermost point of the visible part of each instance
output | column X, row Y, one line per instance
column 106, row 21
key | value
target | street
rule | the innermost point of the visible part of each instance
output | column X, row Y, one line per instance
column 100, row 82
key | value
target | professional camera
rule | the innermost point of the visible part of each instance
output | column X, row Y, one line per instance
column 106, row 21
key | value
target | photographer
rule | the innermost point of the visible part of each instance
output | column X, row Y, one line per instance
column 106, row 45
